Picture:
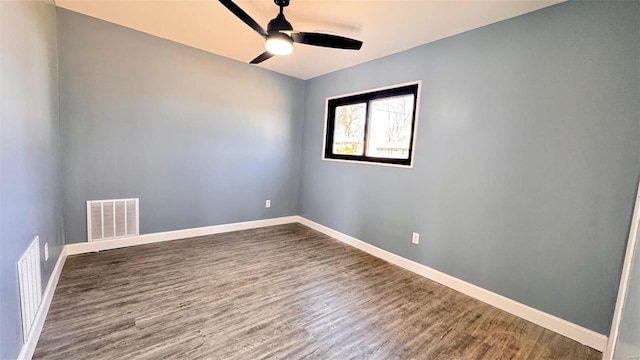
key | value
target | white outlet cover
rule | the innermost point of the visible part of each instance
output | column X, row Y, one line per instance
column 46, row 251
column 267, row 204
column 415, row 238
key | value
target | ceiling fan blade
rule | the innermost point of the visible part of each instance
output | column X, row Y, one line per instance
column 326, row 40
column 262, row 57
column 235, row 9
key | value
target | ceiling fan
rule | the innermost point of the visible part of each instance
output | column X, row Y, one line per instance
column 280, row 36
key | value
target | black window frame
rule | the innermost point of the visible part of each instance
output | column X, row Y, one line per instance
column 367, row 97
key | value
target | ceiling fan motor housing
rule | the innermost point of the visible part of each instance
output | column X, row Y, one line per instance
column 279, row 23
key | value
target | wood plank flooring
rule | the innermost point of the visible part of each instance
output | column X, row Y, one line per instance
column 282, row 292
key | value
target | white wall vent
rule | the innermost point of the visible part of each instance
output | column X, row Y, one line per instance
column 110, row 219
column 30, row 286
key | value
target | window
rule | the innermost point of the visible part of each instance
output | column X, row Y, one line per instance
column 376, row 126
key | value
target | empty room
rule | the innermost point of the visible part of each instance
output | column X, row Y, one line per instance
column 310, row 179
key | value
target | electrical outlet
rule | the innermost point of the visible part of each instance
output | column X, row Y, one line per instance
column 46, row 251
column 415, row 238
column 267, row 204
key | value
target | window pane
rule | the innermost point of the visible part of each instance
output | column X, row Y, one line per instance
column 390, row 127
column 348, row 133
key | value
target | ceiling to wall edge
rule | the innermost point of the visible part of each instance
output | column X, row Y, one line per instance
column 165, row 20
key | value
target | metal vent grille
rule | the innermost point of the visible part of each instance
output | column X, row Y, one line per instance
column 30, row 286
column 110, row 219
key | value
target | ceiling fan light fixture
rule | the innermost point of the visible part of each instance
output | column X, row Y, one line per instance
column 279, row 44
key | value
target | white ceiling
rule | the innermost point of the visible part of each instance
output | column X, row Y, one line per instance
column 385, row 26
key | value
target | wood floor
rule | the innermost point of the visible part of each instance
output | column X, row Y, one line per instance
column 282, row 292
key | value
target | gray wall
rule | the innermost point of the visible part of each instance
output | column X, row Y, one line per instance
column 200, row 139
column 29, row 157
column 526, row 160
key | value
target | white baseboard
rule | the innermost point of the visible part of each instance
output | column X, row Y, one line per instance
column 87, row 247
column 563, row 327
column 29, row 347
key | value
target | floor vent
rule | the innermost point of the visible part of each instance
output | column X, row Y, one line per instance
column 110, row 219
column 30, row 286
